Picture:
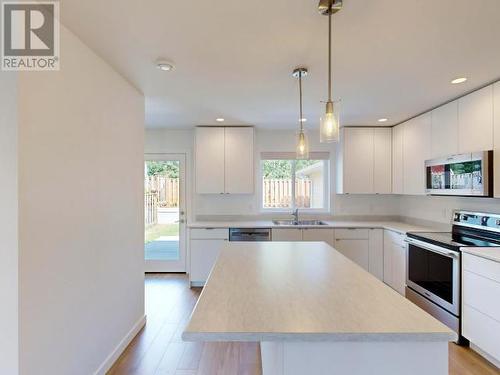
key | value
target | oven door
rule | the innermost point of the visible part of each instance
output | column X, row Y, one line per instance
column 434, row 272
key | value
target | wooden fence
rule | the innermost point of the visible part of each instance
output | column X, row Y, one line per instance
column 166, row 188
column 150, row 208
column 278, row 193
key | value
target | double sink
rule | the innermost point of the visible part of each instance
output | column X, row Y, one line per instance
column 298, row 222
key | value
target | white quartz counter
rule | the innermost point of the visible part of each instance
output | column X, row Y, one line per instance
column 303, row 291
column 491, row 253
column 395, row 226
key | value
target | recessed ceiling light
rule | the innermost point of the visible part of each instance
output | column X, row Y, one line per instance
column 164, row 65
column 459, row 80
column 303, row 119
column 382, row 120
column 219, row 119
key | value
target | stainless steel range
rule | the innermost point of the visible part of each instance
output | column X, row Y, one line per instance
column 433, row 277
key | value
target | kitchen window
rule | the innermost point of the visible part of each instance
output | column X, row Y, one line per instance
column 288, row 183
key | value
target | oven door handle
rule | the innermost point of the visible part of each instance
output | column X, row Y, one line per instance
column 433, row 248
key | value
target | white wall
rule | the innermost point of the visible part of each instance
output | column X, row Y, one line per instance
column 8, row 225
column 80, row 213
column 172, row 141
column 439, row 209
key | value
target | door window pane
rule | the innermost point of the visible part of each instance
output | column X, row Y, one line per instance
column 161, row 209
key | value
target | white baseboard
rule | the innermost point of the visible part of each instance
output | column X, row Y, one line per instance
column 115, row 354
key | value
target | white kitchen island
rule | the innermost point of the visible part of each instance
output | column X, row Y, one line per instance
column 315, row 312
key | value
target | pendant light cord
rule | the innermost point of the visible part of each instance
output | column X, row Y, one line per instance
column 300, row 98
column 330, row 5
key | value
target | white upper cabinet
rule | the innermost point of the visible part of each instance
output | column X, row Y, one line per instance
column 209, row 160
column 382, row 160
column 475, row 121
column 358, row 160
column 365, row 161
column 397, row 159
column 445, row 130
column 496, row 132
column 416, row 150
column 224, row 160
column 239, row 161
column 468, row 124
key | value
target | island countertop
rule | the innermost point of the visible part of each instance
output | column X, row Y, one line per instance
column 302, row 291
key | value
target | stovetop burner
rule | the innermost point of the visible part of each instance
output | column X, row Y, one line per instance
column 453, row 240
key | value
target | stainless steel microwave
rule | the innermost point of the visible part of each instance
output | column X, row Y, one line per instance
column 462, row 175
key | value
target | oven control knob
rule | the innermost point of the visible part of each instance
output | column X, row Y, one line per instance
column 484, row 220
column 464, row 217
column 457, row 217
column 498, row 223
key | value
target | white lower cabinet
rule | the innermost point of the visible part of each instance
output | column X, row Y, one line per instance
column 364, row 247
column 319, row 234
column 353, row 243
column 481, row 304
column 376, row 253
column 286, row 234
column 205, row 245
column 355, row 250
column 304, row 234
column 395, row 261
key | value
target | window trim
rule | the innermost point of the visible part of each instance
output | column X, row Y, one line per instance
column 326, row 190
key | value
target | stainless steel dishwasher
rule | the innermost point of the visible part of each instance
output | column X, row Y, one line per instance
column 249, row 234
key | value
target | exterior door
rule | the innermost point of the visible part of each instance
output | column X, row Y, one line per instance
column 165, row 213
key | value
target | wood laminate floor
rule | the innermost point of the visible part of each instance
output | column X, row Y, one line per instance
column 159, row 350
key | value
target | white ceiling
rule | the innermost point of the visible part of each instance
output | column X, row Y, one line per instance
column 392, row 58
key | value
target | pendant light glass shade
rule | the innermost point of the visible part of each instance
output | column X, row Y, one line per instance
column 302, row 151
column 330, row 123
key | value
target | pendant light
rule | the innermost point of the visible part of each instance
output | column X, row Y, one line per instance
column 330, row 122
column 302, row 151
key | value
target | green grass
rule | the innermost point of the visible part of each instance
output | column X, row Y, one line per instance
column 155, row 231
